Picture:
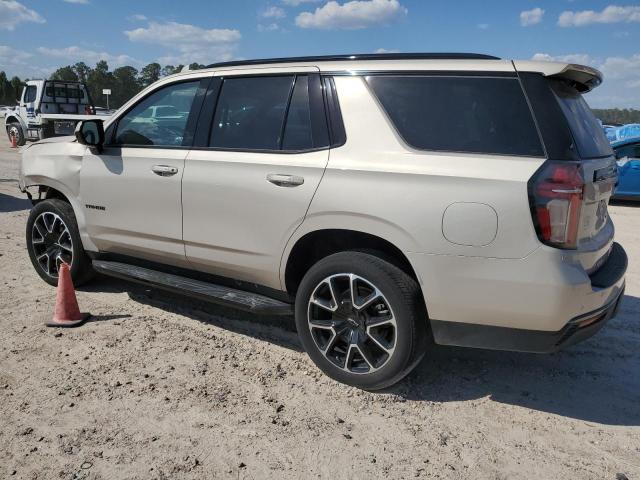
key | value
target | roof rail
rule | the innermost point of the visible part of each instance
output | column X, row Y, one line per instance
column 361, row 56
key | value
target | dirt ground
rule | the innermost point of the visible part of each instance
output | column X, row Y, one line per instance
column 161, row 387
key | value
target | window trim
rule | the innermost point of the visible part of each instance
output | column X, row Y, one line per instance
column 316, row 104
column 454, row 74
column 198, row 99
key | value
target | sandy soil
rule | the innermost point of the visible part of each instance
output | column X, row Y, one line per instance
column 161, row 387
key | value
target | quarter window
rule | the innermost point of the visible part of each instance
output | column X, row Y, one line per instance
column 459, row 114
column 159, row 119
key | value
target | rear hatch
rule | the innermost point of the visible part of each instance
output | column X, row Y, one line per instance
column 569, row 195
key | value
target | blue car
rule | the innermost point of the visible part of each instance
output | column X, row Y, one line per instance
column 628, row 155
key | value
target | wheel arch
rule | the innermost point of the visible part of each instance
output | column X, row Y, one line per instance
column 47, row 188
column 312, row 246
column 14, row 119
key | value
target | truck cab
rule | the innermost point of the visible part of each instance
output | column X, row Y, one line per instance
column 49, row 108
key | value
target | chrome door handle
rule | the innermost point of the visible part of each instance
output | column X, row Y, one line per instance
column 285, row 180
column 164, row 170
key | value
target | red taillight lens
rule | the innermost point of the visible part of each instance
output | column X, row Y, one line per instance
column 556, row 200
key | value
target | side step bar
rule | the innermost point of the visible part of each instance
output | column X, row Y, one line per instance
column 229, row 297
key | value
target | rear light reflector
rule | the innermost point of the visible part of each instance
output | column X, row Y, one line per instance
column 555, row 196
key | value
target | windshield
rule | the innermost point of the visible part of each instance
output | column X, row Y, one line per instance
column 587, row 132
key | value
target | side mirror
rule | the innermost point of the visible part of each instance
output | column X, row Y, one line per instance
column 90, row 133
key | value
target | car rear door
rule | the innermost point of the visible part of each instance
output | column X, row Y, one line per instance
column 260, row 151
column 132, row 189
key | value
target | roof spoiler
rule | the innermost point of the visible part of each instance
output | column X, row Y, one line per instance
column 583, row 78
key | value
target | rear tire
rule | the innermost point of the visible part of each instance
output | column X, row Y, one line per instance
column 15, row 129
column 53, row 237
column 361, row 319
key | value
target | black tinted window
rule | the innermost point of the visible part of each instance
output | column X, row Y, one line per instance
column 250, row 113
column 297, row 133
column 459, row 114
column 148, row 123
column 587, row 132
column 630, row 151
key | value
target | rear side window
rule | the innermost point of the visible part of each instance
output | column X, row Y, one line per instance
column 250, row 113
column 460, row 114
column 585, row 128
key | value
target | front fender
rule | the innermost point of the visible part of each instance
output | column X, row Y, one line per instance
column 57, row 166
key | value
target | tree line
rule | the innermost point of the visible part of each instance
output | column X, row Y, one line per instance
column 124, row 82
column 610, row 116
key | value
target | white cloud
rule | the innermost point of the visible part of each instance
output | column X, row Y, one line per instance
column 579, row 58
column 531, row 17
column 13, row 13
column 82, row 2
column 611, row 14
column 78, row 54
column 386, row 50
column 483, row 26
column 269, row 27
column 188, row 43
column 12, row 56
column 137, row 18
column 351, row 15
column 295, row 3
column 274, row 12
column 621, row 68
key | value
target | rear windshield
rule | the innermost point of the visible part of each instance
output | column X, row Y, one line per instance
column 459, row 114
column 587, row 133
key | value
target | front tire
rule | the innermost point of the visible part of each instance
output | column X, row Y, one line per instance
column 14, row 129
column 53, row 238
column 361, row 319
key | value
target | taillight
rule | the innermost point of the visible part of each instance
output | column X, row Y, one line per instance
column 555, row 195
column 89, row 110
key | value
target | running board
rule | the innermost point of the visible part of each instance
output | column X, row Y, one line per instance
column 229, row 297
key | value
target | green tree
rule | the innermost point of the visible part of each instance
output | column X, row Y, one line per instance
column 82, row 71
column 98, row 79
column 6, row 91
column 16, row 88
column 125, row 85
column 196, row 66
column 150, row 74
column 66, row 74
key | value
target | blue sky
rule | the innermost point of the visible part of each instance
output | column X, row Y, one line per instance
column 36, row 36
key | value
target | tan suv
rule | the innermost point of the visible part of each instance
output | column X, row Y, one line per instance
column 386, row 200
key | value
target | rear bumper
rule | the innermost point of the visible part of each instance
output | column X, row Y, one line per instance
column 533, row 341
column 534, row 304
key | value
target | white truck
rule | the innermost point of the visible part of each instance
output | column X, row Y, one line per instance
column 49, row 108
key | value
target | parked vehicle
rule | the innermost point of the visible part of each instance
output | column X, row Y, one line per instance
column 49, row 108
column 385, row 200
column 628, row 155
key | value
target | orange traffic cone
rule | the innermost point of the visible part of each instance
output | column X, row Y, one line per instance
column 14, row 141
column 67, row 314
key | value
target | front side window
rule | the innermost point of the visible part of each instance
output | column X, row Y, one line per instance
column 159, row 119
column 459, row 114
column 30, row 94
column 250, row 113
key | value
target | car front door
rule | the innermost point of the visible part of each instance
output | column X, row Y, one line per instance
column 248, row 185
column 131, row 191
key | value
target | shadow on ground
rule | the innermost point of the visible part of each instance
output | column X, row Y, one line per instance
column 595, row 381
column 9, row 203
